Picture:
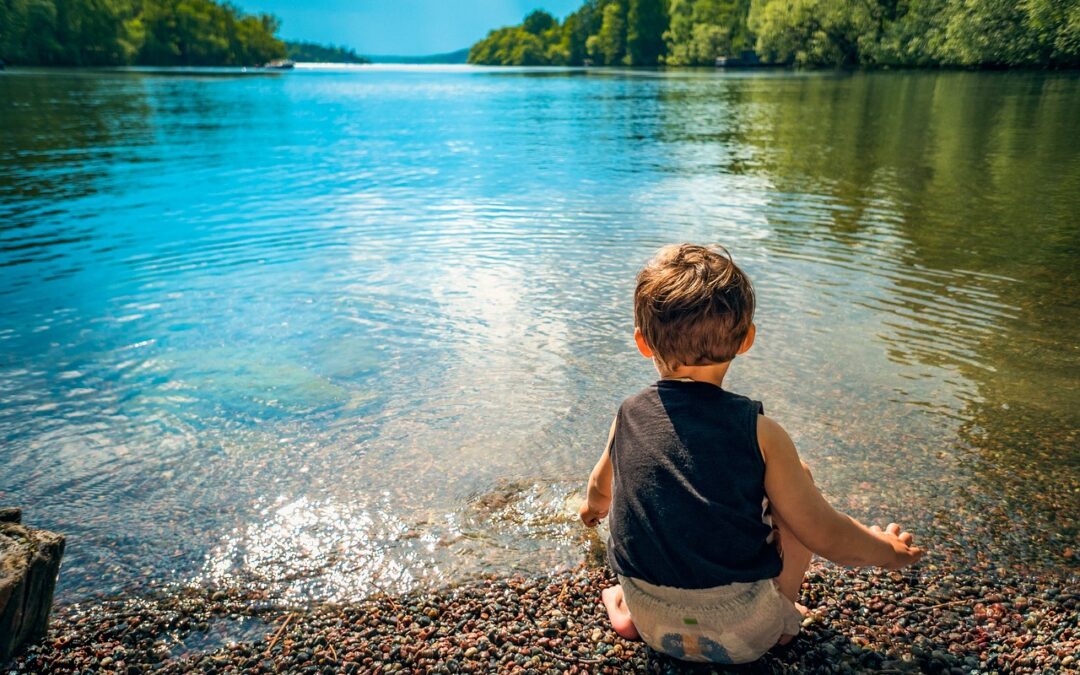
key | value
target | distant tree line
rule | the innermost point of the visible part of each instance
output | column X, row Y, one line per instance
column 311, row 52
column 875, row 33
column 135, row 32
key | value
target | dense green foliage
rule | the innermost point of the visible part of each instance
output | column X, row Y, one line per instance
column 605, row 32
column 311, row 52
column 700, row 31
column 989, row 33
column 135, row 32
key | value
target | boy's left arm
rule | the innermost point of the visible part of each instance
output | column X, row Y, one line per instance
column 598, row 498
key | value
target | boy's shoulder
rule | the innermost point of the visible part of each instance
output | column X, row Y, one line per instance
column 688, row 390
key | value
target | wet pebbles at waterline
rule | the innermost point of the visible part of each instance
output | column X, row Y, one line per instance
column 927, row 620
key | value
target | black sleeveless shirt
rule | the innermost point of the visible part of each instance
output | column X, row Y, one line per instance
column 688, row 503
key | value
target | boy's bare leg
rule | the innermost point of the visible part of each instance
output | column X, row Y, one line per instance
column 618, row 613
column 796, row 562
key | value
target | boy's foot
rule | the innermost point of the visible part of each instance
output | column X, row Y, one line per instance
column 785, row 638
column 618, row 613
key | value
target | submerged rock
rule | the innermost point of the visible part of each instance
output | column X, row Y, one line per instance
column 29, row 564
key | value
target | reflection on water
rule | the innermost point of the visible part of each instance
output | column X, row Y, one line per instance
column 337, row 332
column 334, row 551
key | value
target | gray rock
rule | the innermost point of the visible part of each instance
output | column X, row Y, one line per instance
column 29, row 564
column 10, row 514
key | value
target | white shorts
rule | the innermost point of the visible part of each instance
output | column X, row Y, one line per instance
column 734, row 623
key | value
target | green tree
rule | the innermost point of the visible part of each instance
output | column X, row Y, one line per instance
column 914, row 36
column 579, row 26
column 701, row 30
column 515, row 46
column 538, row 22
column 1057, row 25
column 678, row 34
column 809, row 32
column 527, row 50
column 988, row 32
column 28, row 32
column 539, row 40
column 608, row 46
column 646, row 22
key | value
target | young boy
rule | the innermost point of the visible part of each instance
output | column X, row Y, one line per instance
column 713, row 515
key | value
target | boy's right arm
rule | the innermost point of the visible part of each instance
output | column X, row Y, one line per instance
column 821, row 528
column 598, row 494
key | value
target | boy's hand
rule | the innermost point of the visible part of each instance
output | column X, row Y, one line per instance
column 904, row 553
column 591, row 517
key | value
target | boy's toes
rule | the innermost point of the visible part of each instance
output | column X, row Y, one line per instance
column 618, row 613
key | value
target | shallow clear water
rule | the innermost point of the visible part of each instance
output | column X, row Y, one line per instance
column 342, row 331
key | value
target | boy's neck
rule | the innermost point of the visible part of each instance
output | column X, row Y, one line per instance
column 712, row 373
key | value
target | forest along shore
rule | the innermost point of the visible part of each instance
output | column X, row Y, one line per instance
column 867, row 33
column 927, row 619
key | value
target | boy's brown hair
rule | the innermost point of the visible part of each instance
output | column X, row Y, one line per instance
column 694, row 305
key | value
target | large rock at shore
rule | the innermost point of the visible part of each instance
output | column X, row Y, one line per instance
column 29, row 564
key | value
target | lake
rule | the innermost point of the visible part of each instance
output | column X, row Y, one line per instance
column 342, row 330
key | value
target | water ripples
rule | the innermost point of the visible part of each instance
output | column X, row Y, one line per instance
column 312, row 330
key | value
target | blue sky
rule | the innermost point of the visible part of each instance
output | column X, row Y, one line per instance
column 400, row 26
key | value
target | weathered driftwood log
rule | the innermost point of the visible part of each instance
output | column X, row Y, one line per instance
column 29, row 564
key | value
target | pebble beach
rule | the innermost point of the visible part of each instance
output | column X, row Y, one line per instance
column 927, row 619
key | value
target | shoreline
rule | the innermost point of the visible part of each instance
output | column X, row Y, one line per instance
column 929, row 619
column 730, row 70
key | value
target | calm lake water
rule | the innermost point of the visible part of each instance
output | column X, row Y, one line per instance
column 337, row 331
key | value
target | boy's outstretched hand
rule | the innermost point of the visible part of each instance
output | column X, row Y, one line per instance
column 591, row 517
column 904, row 553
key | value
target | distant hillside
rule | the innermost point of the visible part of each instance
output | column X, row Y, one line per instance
column 309, row 52
column 460, row 56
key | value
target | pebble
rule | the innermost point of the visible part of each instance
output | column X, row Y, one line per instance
column 862, row 620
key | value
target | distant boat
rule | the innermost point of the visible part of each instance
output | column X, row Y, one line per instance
column 747, row 58
column 280, row 64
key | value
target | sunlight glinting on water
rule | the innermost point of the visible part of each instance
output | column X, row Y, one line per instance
column 325, row 550
column 353, row 330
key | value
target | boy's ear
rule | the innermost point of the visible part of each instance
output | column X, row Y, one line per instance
column 642, row 346
column 748, row 341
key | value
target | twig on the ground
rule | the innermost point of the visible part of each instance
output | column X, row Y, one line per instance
column 573, row 659
column 288, row 618
column 938, row 606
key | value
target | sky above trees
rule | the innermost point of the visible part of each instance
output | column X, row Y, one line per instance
column 405, row 27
